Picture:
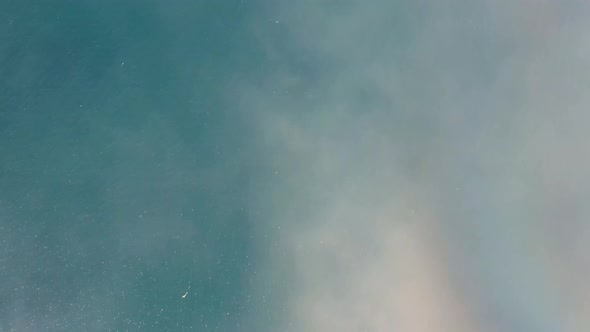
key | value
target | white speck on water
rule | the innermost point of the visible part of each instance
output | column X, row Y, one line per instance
column 187, row 290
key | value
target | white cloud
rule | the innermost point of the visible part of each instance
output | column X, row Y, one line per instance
column 434, row 163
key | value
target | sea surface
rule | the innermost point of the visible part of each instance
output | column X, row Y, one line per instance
column 300, row 166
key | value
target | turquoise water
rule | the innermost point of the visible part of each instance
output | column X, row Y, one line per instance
column 125, row 171
column 366, row 165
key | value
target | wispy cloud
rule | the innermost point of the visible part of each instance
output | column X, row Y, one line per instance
column 433, row 163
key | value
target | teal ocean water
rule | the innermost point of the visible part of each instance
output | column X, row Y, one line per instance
column 309, row 165
column 125, row 169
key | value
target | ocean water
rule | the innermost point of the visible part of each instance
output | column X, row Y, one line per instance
column 294, row 165
column 125, row 170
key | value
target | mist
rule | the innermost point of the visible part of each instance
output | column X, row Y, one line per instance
column 432, row 163
column 294, row 166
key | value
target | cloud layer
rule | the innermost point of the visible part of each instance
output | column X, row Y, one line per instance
column 432, row 163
